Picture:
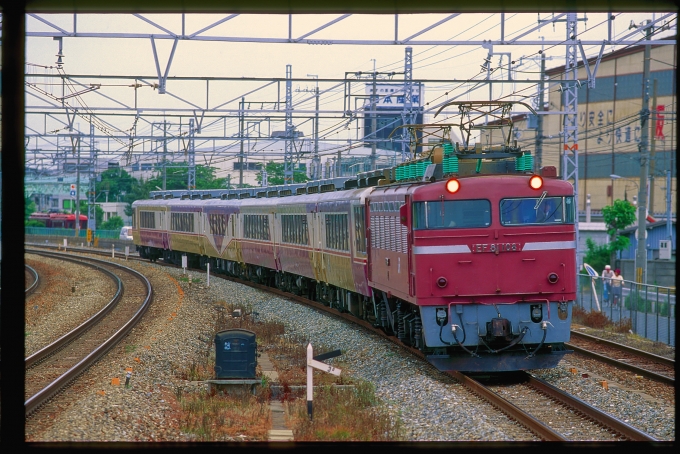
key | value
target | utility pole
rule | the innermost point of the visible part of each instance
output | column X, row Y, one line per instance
column 316, row 163
column 407, row 117
column 165, row 150
column 669, row 221
column 374, row 120
column 77, row 223
column 539, row 117
column 240, row 156
column 641, row 257
column 288, row 153
column 652, row 151
column 191, row 178
column 91, row 195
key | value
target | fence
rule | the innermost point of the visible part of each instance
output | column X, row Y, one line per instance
column 650, row 308
column 70, row 233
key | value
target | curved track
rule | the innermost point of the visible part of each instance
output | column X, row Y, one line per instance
column 52, row 368
column 33, row 280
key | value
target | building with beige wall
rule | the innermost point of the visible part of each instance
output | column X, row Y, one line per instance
column 609, row 127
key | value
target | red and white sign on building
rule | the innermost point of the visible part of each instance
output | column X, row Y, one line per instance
column 658, row 133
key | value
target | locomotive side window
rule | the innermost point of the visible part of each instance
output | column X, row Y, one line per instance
column 256, row 226
column 451, row 214
column 182, row 222
column 147, row 220
column 294, row 229
column 337, row 234
column 537, row 210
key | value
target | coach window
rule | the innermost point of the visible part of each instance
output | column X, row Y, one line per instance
column 337, row 234
column 451, row 214
column 537, row 210
column 360, row 229
column 147, row 220
column 294, row 229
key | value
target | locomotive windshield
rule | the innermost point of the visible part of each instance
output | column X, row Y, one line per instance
column 451, row 214
column 537, row 210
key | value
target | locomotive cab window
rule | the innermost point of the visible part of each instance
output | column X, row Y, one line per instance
column 537, row 210
column 451, row 214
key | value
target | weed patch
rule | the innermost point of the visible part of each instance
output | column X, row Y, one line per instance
column 340, row 413
column 344, row 414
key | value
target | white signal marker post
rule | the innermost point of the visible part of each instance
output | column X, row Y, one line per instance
column 312, row 363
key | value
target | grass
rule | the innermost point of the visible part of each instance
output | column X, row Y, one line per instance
column 352, row 413
column 595, row 319
column 597, row 324
column 225, row 417
column 194, row 280
column 639, row 303
column 344, row 414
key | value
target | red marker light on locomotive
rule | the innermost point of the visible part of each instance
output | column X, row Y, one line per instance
column 536, row 182
column 452, row 185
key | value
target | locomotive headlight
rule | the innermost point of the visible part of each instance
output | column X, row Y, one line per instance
column 553, row 278
column 536, row 182
column 441, row 282
column 536, row 313
column 452, row 185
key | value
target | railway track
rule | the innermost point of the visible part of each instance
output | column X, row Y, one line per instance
column 551, row 413
column 32, row 280
column 621, row 356
column 52, row 368
column 577, row 420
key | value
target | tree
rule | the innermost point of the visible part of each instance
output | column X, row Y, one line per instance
column 617, row 217
column 29, row 207
column 114, row 184
column 115, row 223
column 275, row 174
column 597, row 255
column 177, row 177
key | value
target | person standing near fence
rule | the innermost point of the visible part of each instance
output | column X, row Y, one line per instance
column 617, row 287
column 607, row 276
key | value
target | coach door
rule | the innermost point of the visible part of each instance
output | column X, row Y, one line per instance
column 317, row 256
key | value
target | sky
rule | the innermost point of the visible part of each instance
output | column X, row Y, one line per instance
column 451, row 65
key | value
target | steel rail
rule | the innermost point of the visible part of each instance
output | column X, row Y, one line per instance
column 544, row 432
column 660, row 359
column 87, row 324
column 623, row 365
column 36, row 281
column 604, row 419
column 60, row 383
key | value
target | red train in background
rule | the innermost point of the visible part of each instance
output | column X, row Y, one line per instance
column 59, row 220
column 466, row 255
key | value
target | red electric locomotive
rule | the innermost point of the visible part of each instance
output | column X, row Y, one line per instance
column 477, row 271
